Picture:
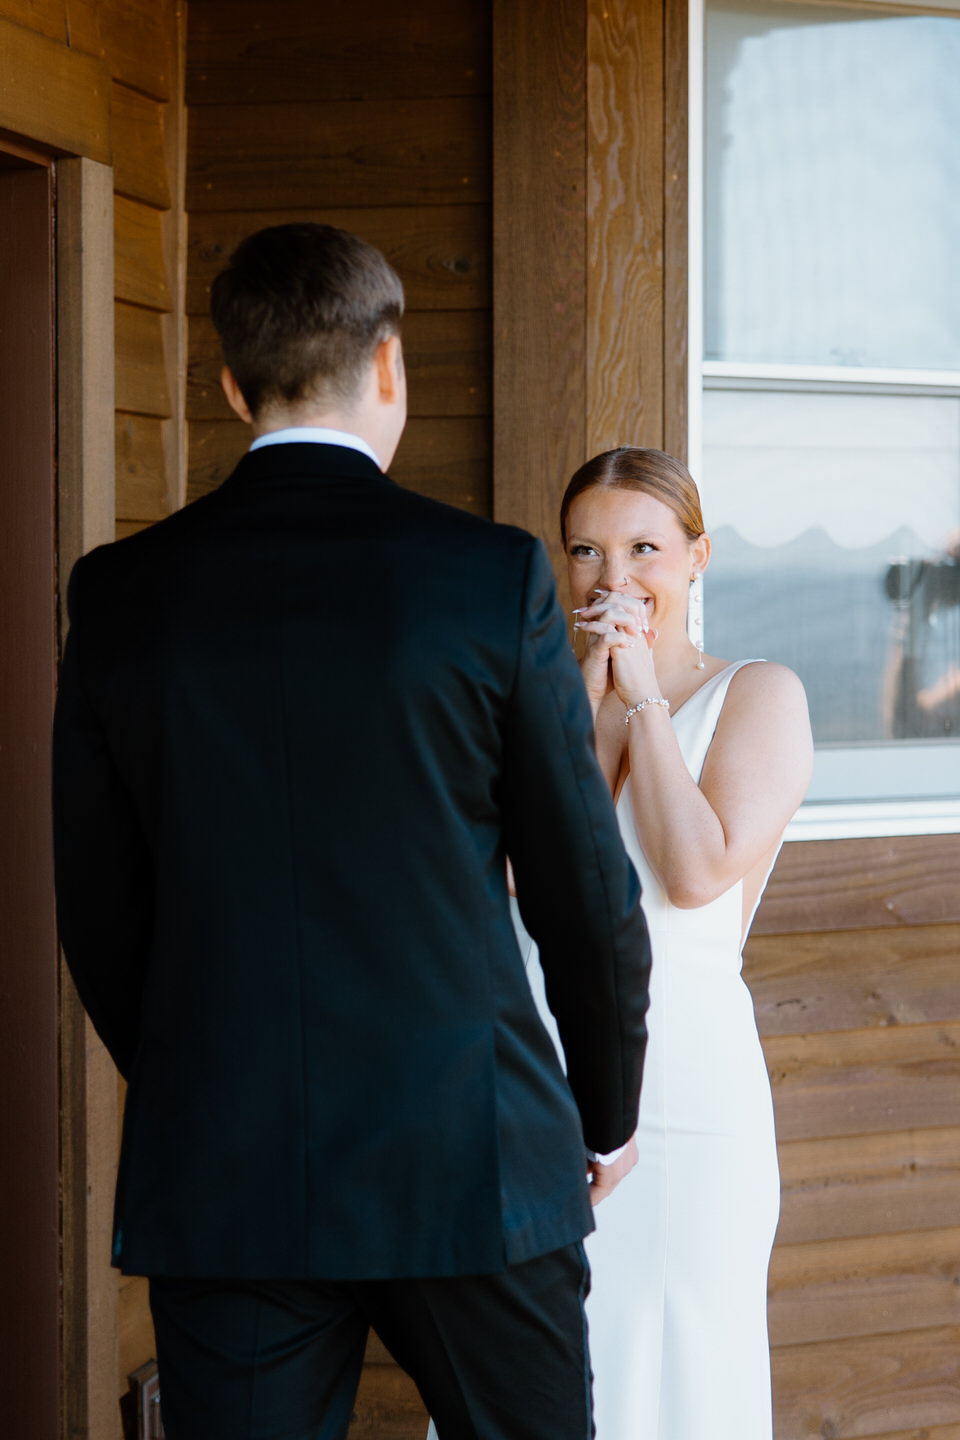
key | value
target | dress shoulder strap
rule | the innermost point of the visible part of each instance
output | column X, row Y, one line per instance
column 696, row 720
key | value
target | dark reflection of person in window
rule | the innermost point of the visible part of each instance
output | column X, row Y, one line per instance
column 922, row 692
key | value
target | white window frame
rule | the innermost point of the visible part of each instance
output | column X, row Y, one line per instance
column 934, row 810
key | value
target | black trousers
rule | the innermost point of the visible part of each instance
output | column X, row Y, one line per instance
column 495, row 1357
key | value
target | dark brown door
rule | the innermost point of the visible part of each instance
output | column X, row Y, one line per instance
column 29, row 1147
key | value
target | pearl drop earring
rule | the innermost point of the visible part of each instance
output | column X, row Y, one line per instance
column 695, row 615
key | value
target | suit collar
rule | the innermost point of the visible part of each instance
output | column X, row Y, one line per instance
column 306, row 462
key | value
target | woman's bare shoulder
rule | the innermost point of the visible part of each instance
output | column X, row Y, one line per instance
column 765, row 683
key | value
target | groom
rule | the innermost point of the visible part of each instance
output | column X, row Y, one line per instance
column 301, row 725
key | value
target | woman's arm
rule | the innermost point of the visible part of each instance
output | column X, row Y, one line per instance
column 701, row 839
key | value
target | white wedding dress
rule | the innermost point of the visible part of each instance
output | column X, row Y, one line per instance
column 678, row 1307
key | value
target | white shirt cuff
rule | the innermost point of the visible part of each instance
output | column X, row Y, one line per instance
column 609, row 1158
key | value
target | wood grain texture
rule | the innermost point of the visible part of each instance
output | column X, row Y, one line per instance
column 54, row 95
column 869, row 1184
column 862, row 884
column 853, row 1389
column 442, row 253
column 675, row 228
column 136, row 1340
column 141, row 374
column 447, row 355
column 214, row 448
column 85, row 511
column 853, row 981
column 624, row 224
column 83, row 26
column 539, row 321
column 123, row 528
column 447, row 459
column 139, row 162
column 141, row 468
column 135, row 37
column 865, row 1081
column 388, row 1406
column 837, row 1289
column 140, row 274
column 338, row 153
column 240, row 52
column 46, row 17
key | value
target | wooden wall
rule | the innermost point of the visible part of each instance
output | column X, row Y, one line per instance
column 103, row 79
column 377, row 122
column 854, row 965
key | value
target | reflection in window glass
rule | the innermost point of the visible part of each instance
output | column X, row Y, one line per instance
column 832, row 222
column 836, row 527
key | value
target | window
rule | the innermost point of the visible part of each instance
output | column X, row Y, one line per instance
column 827, row 351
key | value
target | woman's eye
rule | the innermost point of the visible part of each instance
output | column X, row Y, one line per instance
column 643, row 547
column 582, row 550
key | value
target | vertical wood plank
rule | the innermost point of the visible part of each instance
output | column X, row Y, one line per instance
column 85, row 519
column 676, row 320
column 625, row 217
column 539, row 227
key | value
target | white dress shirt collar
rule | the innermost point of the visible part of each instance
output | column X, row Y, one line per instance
column 315, row 435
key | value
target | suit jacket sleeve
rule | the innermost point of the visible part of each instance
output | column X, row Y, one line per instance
column 104, row 871
column 578, row 893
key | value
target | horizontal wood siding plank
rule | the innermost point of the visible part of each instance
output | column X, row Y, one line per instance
column 447, row 459
column 46, row 17
column 240, row 52
column 449, row 360
column 214, row 447
column 869, row 1184
column 447, row 353
column 862, row 884
column 388, row 1406
column 871, row 1285
column 135, row 1326
column 867, row 1387
column 141, row 372
column 865, row 1081
column 851, row 980
column 141, row 469
column 83, row 26
column 139, row 268
column 56, row 96
column 341, row 153
column 139, row 162
column 440, row 252
column 134, row 35
column 130, row 527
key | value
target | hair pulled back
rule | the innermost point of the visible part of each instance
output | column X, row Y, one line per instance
column 652, row 472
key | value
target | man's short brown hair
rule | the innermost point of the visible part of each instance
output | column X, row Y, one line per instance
column 300, row 311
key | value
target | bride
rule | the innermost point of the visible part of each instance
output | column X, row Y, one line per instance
column 707, row 761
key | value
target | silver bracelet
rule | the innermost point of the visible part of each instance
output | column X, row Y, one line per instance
column 642, row 705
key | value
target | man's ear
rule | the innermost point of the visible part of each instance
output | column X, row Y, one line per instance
column 389, row 363
column 234, row 395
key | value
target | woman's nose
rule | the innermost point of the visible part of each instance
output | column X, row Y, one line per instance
column 613, row 577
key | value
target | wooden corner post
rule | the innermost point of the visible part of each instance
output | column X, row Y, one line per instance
column 88, row 1081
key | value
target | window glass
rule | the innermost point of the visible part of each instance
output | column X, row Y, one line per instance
column 831, row 235
column 832, row 198
column 836, row 527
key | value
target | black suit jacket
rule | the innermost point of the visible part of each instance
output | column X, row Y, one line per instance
column 300, row 726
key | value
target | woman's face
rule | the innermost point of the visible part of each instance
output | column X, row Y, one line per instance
column 631, row 543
